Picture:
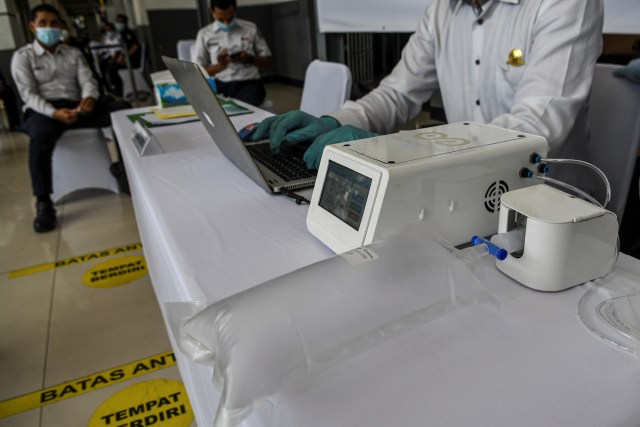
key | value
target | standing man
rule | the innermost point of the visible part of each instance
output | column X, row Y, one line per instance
column 130, row 40
column 59, row 93
column 525, row 65
column 112, row 59
column 232, row 50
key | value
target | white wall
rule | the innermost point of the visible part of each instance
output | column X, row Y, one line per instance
column 140, row 7
column 11, row 33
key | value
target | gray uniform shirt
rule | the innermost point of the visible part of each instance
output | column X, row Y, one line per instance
column 42, row 76
column 244, row 36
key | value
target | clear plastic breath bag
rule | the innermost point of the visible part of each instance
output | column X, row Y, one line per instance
column 282, row 332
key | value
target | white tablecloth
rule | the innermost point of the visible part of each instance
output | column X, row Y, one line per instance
column 208, row 232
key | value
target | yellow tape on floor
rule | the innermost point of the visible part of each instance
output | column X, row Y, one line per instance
column 84, row 385
column 74, row 260
column 156, row 402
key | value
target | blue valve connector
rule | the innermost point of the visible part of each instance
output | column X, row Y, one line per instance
column 499, row 253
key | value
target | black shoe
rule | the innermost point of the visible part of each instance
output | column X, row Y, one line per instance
column 45, row 217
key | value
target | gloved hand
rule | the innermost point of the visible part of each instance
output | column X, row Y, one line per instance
column 293, row 127
column 631, row 71
column 342, row 134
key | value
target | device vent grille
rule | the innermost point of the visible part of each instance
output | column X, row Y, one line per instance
column 493, row 194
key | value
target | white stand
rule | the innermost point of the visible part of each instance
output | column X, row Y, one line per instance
column 81, row 161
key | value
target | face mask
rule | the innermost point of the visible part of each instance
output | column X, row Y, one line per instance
column 48, row 36
column 227, row 27
column 119, row 26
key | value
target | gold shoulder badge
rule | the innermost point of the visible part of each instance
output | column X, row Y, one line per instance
column 515, row 58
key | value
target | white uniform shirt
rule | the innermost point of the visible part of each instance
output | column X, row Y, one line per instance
column 42, row 76
column 244, row 36
column 465, row 54
column 114, row 40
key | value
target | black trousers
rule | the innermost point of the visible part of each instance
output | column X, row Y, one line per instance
column 112, row 75
column 249, row 91
column 45, row 131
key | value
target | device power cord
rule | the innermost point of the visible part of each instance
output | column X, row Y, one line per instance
column 298, row 198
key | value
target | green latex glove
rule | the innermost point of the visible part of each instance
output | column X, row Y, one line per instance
column 342, row 134
column 293, row 127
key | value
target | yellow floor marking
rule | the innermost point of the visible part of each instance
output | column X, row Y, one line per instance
column 73, row 260
column 156, row 402
column 84, row 385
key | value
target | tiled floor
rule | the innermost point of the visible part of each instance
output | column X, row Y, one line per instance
column 53, row 328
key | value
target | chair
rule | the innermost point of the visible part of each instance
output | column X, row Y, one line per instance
column 185, row 49
column 138, row 76
column 327, row 85
column 614, row 118
column 81, row 161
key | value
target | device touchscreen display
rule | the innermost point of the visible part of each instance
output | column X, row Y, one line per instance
column 345, row 194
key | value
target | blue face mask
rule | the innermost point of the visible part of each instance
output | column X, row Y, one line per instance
column 48, row 36
column 119, row 26
column 227, row 27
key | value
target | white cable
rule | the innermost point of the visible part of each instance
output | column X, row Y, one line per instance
column 592, row 167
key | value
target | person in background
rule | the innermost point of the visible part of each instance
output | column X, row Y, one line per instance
column 232, row 50
column 130, row 40
column 8, row 97
column 59, row 93
column 112, row 59
column 516, row 64
column 68, row 38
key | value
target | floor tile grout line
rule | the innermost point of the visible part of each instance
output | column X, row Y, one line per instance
column 48, row 339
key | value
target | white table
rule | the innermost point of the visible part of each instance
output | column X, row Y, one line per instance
column 209, row 232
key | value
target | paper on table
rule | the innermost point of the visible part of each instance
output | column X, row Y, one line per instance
column 154, row 120
column 174, row 112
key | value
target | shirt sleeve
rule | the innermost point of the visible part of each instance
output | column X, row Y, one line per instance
column 202, row 54
column 567, row 38
column 400, row 96
column 261, row 46
column 88, row 85
column 27, row 84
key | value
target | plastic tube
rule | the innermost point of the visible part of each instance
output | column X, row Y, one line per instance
column 512, row 241
column 592, row 167
column 500, row 253
column 572, row 188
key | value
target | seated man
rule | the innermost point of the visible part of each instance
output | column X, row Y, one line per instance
column 231, row 50
column 520, row 65
column 59, row 93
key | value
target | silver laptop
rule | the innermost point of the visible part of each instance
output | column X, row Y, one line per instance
column 285, row 171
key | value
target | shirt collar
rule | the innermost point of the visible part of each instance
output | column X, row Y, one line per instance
column 39, row 50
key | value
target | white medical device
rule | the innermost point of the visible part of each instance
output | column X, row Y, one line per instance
column 567, row 241
column 450, row 177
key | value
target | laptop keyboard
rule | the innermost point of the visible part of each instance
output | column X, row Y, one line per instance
column 288, row 165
